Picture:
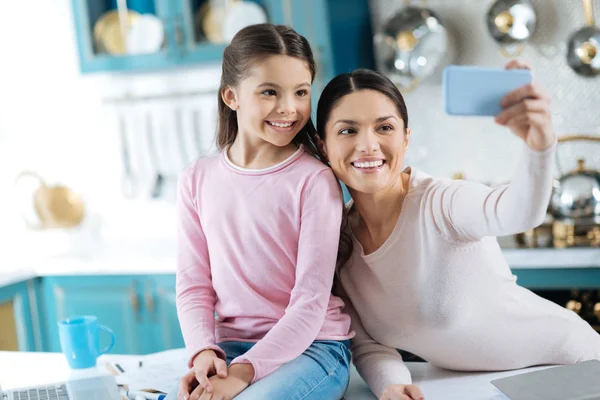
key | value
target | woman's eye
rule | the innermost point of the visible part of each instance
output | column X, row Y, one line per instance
column 269, row 92
column 347, row 131
column 386, row 128
column 302, row 93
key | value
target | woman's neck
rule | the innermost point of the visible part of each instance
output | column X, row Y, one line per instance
column 378, row 212
column 256, row 153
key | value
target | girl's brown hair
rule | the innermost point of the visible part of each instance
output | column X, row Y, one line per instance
column 248, row 46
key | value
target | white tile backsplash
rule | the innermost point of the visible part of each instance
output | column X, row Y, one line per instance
column 483, row 151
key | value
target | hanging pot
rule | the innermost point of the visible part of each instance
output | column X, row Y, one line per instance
column 511, row 24
column 413, row 45
column 583, row 53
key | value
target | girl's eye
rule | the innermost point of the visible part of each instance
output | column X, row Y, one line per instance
column 386, row 128
column 269, row 92
column 347, row 131
column 302, row 93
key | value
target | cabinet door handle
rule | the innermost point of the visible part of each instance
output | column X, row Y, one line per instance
column 149, row 301
column 179, row 30
column 135, row 303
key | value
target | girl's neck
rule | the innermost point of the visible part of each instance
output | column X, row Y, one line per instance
column 257, row 153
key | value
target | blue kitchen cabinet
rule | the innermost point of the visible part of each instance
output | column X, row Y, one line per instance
column 140, row 309
column 339, row 31
column 558, row 278
column 181, row 45
column 117, row 301
column 167, row 330
column 195, row 51
column 92, row 59
column 19, row 323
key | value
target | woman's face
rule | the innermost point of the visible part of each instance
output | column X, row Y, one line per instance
column 365, row 141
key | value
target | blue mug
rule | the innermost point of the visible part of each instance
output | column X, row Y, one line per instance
column 79, row 340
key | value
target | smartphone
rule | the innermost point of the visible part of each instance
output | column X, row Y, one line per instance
column 478, row 91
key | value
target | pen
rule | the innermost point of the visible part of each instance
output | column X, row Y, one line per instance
column 119, row 368
column 136, row 395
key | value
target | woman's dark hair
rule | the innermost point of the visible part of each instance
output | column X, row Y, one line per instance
column 361, row 79
column 340, row 86
column 251, row 44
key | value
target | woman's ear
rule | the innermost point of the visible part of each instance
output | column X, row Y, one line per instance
column 321, row 145
column 406, row 138
column 229, row 97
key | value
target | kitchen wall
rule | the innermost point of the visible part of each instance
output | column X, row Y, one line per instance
column 61, row 124
column 443, row 145
column 58, row 123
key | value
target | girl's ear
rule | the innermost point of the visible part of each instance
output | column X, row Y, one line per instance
column 229, row 97
column 406, row 138
column 321, row 145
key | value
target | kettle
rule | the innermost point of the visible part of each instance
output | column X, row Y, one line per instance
column 576, row 195
column 55, row 206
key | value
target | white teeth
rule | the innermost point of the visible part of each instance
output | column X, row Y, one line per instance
column 281, row 125
column 370, row 164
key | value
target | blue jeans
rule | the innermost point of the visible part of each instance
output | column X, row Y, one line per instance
column 320, row 373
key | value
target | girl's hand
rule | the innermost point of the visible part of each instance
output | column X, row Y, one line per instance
column 527, row 113
column 402, row 392
column 206, row 364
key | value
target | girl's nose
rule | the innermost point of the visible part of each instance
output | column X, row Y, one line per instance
column 286, row 107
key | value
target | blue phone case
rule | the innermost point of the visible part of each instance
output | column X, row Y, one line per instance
column 471, row 90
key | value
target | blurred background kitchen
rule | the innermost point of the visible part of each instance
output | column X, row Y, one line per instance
column 105, row 101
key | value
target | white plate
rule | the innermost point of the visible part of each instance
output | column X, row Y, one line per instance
column 239, row 16
column 146, row 35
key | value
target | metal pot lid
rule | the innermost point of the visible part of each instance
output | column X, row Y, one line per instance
column 413, row 44
column 583, row 53
column 511, row 21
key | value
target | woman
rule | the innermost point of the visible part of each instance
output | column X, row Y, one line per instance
column 425, row 273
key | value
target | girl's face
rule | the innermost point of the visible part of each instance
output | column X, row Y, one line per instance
column 273, row 101
column 365, row 141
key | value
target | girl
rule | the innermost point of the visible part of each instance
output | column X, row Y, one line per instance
column 258, row 238
column 426, row 274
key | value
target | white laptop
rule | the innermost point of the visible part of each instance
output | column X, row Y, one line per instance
column 97, row 388
column 579, row 381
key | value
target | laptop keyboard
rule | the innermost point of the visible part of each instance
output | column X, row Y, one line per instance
column 53, row 392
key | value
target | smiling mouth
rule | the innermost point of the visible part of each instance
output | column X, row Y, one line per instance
column 282, row 125
column 368, row 165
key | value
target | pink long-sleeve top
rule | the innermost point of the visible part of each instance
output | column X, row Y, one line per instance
column 259, row 247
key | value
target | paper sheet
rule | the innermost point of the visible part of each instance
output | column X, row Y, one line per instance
column 159, row 371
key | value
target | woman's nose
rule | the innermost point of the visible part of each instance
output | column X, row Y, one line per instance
column 367, row 142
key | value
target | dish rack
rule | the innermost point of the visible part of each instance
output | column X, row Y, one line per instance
column 160, row 135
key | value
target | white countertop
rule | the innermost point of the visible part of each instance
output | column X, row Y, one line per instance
column 18, row 369
column 158, row 257
column 128, row 253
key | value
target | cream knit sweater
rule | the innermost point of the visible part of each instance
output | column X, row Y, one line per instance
column 439, row 287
